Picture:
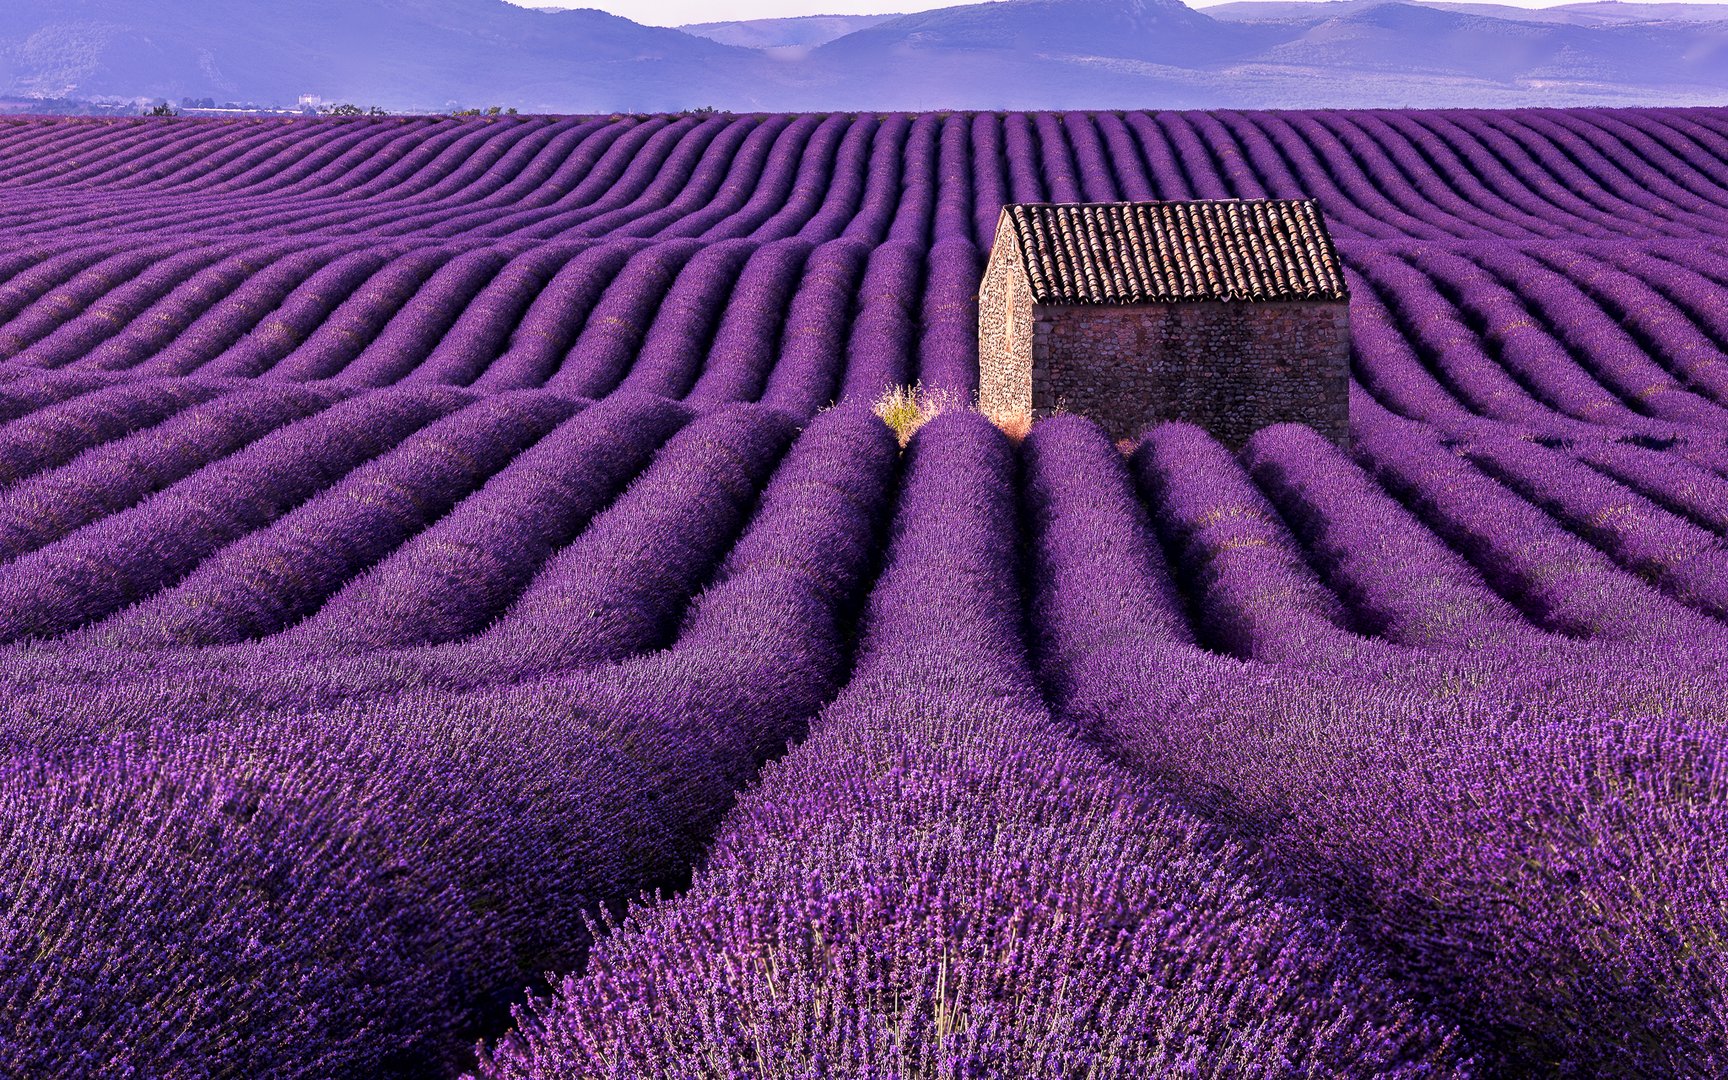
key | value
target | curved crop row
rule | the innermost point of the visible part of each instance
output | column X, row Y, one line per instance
column 1559, row 278
column 410, row 863
column 1400, row 580
column 415, row 533
column 1535, row 868
column 1556, row 579
column 994, row 929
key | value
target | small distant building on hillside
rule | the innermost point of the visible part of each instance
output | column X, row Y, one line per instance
column 1231, row 314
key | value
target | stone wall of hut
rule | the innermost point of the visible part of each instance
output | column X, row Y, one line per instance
column 1005, row 375
column 1233, row 367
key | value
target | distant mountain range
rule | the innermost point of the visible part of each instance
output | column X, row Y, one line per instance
column 785, row 35
column 437, row 54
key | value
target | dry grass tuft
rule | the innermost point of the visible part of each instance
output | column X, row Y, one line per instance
column 906, row 409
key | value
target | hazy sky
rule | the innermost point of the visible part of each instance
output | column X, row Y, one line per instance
column 678, row 12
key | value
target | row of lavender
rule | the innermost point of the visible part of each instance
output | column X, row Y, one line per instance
column 1551, row 270
column 1553, row 339
column 1443, row 174
column 310, row 862
column 1063, row 841
column 788, row 323
column 437, row 523
column 394, row 690
column 405, row 571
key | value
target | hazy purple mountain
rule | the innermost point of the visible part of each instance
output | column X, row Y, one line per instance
column 1042, row 54
column 1161, row 31
column 395, row 53
column 1376, row 38
column 1601, row 13
column 1118, row 53
column 784, row 35
column 1616, row 11
column 1013, row 54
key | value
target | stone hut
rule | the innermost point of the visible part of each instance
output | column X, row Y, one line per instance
column 1230, row 314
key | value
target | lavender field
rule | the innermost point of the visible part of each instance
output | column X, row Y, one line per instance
column 445, row 629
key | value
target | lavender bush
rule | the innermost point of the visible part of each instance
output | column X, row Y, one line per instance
column 415, row 532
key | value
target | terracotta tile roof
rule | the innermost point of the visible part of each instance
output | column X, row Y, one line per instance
column 1156, row 252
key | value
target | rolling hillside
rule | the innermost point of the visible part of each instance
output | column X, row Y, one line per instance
column 400, row 54
column 430, row 55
